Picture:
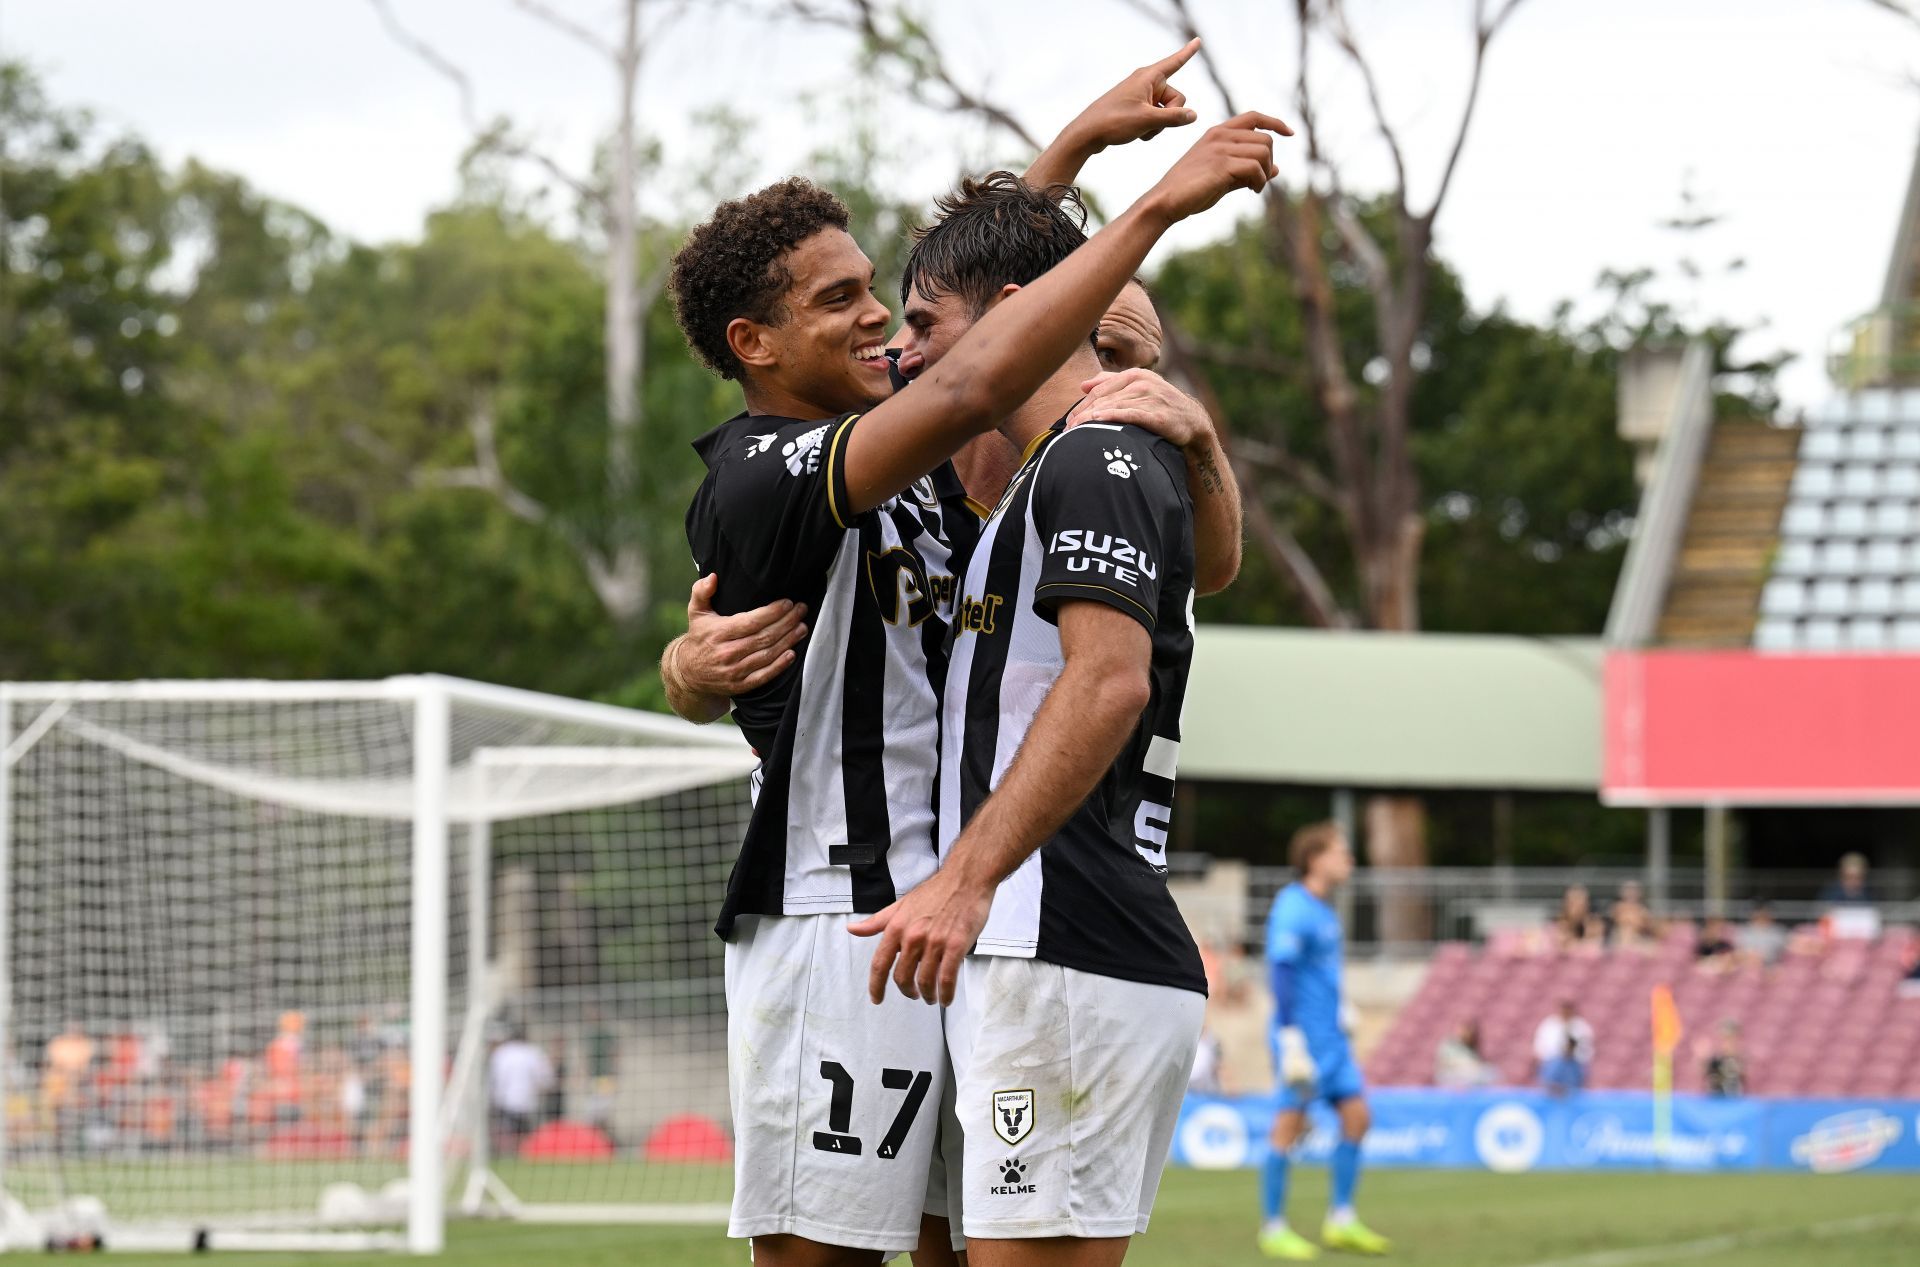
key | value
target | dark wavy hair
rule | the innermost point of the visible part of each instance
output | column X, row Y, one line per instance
column 991, row 232
column 734, row 264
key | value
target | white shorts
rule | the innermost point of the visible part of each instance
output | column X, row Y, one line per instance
column 836, row 1101
column 1067, row 1088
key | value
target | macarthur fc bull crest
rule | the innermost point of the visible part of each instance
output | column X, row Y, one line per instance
column 1013, row 1115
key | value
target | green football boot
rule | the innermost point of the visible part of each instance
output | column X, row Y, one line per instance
column 1354, row 1237
column 1284, row 1242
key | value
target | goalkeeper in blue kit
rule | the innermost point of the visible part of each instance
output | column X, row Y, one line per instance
column 1311, row 1056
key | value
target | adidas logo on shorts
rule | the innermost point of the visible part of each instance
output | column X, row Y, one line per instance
column 1012, row 1171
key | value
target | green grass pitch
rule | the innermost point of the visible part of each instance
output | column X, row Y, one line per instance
column 1438, row 1218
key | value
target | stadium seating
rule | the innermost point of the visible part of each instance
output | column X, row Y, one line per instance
column 1847, row 574
column 1831, row 1024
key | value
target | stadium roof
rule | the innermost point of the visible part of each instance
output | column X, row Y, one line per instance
column 1377, row 710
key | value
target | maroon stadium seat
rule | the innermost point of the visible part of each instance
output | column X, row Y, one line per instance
column 1812, row 1025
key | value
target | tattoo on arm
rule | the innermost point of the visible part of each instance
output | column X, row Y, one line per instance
column 1209, row 472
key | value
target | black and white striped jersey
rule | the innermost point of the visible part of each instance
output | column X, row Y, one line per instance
column 1097, row 513
column 848, row 738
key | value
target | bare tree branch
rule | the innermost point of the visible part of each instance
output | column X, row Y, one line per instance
column 920, row 55
column 1183, row 17
column 432, row 57
column 486, row 474
column 1299, row 472
column 1484, row 29
column 1146, row 10
column 1260, row 362
column 1373, row 260
column 617, row 570
column 1295, row 564
column 496, row 140
column 619, row 578
column 507, row 145
column 1341, row 29
column 1279, row 545
column 566, row 26
column 653, row 284
column 1295, row 223
column 364, row 439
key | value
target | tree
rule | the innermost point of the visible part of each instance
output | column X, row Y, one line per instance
column 134, row 521
column 614, row 556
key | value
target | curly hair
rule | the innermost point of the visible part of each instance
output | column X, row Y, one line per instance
column 733, row 265
column 991, row 232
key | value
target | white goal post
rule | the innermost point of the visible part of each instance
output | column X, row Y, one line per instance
column 283, row 964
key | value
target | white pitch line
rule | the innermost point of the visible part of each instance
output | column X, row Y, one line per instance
column 1707, row 1246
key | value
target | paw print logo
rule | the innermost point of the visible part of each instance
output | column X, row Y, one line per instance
column 1121, row 464
column 1013, row 1170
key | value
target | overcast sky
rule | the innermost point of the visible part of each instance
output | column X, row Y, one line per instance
column 1794, row 119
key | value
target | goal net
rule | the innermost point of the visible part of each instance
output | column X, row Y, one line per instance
column 304, row 964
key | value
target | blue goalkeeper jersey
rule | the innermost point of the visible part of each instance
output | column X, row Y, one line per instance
column 1303, row 932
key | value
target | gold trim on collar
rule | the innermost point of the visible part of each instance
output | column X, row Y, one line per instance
column 1026, row 454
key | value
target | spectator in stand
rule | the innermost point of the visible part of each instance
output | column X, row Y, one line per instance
column 553, row 1106
column 1578, row 926
column 1910, row 984
column 603, row 1057
column 1566, row 1026
column 1633, row 925
column 518, row 1075
column 1458, row 1063
column 1715, row 951
column 1565, row 1073
column 1849, row 888
column 22, row 1123
column 237, row 1076
column 369, row 1075
column 1726, row 1068
column 64, row 1082
column 283, row 1067
column 1763, row 940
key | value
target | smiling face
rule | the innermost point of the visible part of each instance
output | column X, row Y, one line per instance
column 824, row 349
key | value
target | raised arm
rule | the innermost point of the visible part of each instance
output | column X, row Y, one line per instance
column 1011, row 350
column 1135, row 109
column 1075, row 738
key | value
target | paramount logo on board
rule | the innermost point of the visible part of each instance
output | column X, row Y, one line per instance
column 1604, row 1137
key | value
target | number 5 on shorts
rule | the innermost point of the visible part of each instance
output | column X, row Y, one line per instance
column 837, row 1139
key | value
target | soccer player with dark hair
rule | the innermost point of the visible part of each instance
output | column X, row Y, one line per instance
column 831, row 492
column 1311, row 1053
column 1074, row 991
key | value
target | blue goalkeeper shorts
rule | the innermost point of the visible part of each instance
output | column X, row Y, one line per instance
column 1338, row 1077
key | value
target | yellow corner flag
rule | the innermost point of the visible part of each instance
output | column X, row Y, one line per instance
column 1667, row 1029
column 1666, row 1039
